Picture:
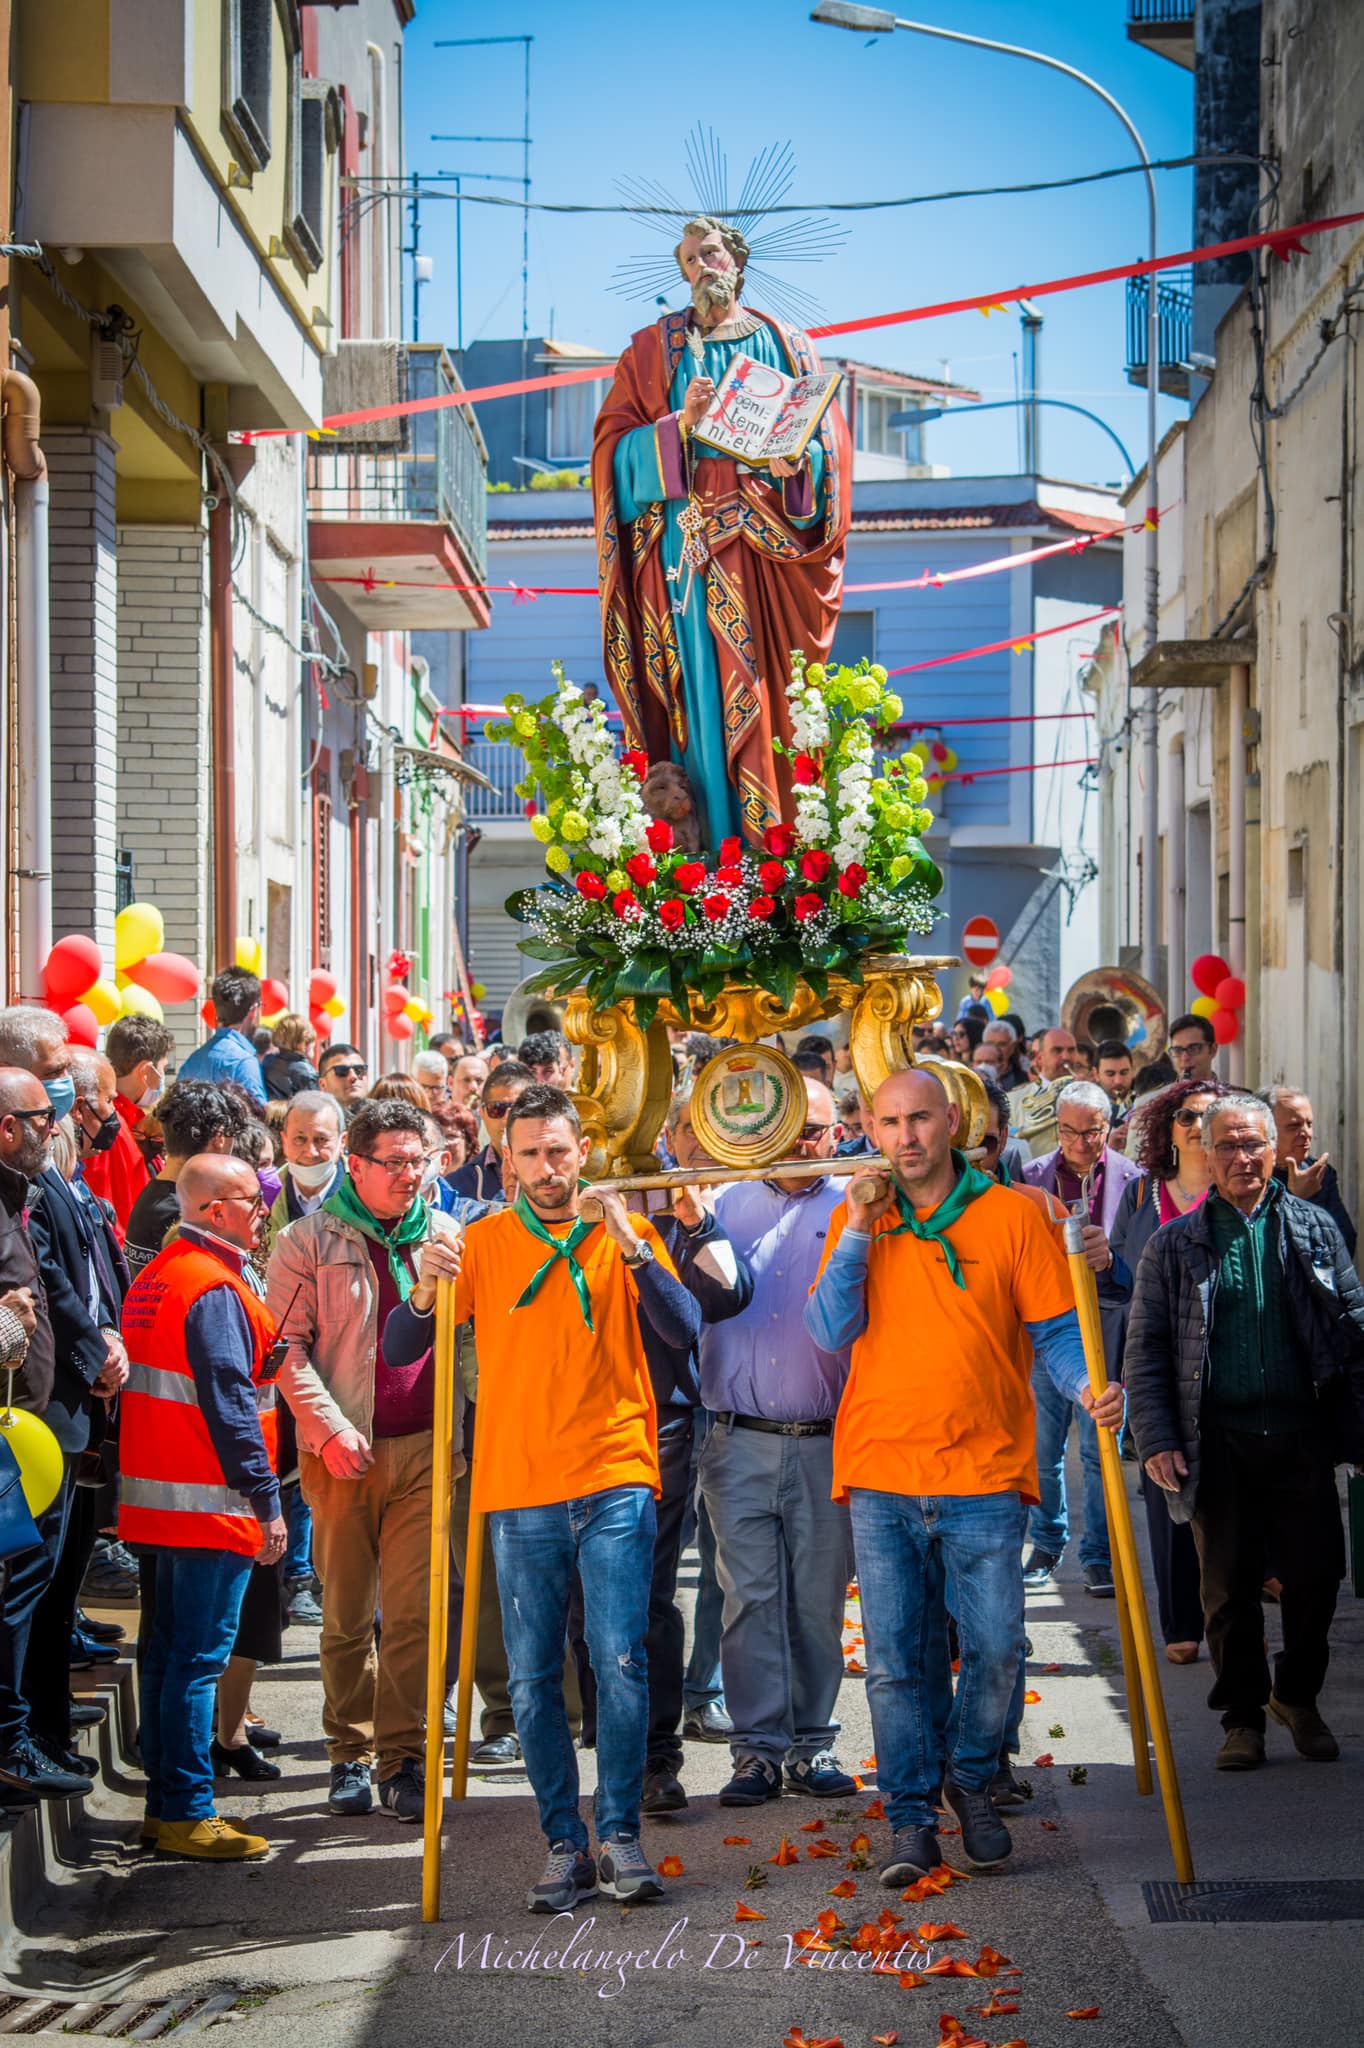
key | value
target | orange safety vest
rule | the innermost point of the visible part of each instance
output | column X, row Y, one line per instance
column 172, row 1488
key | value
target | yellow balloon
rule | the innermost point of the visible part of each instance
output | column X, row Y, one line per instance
column 139, row 1002
column 104, row 1001
column 271, row 1021
column 334, row 1006
column 1203, row 1006
column 38, row 1454
column 138, row 930
column 412, row 1008
column 997, row 1000
column 477, row 991
column 250, row 956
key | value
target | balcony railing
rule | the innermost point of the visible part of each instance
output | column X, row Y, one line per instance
column 1174, row 307
column 428, row 467
column 1165, row 27
column 504, row 766
column 1150, row 13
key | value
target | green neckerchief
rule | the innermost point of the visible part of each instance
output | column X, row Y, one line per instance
column 559, row 1248
column 1006, row 1179
column 971, row 1182
column 412, row 1228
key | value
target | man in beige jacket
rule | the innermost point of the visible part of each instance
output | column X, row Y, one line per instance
column 365, row 1435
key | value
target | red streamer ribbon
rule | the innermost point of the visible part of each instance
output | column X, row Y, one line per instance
column 1015, row 640
column 1284, row 242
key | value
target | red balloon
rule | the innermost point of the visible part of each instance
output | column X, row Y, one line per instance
column 398, row 1027
column 396, row 999
column 1230, row 993
column 1208, row 972
column 82, row 1025
column 73, row 966
column 998, row 977
column 321, row 987
column 322, row 1024
column 274, row 996
column 1224, row 1026
column 209, row 1015
column 170, row 977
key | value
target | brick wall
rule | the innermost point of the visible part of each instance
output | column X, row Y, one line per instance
column 163, row 736
column 84, row 596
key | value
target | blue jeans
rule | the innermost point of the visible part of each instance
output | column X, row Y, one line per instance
column 912, row 1554
column 1048, row 1522
column 609, row 1538
column 198, row 1605
column 298, row 1558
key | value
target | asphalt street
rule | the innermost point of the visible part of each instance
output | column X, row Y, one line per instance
column 323, row 1941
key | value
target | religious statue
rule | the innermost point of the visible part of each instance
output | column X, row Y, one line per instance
column 711, row 570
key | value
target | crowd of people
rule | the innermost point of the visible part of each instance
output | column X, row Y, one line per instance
column 219, row 1292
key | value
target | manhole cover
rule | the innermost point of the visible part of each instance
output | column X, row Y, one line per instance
column 1246, row 1898
column 127, row 2019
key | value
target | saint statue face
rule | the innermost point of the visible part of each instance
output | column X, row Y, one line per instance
column 710, row 270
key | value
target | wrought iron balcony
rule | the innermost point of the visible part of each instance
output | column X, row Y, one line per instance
column 1174, row 306
column 398, row 508
column 1165, row 27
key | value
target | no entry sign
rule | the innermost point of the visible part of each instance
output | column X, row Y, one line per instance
column 980, row 940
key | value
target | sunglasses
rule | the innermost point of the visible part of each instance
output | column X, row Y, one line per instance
column 347, row 1072
column 1187, row 1118
column 46, row 1116
column 496, row 1110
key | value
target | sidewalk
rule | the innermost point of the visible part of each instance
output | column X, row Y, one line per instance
column 327, row 1932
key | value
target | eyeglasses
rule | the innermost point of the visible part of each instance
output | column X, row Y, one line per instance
column 411, row 1162
column 346, row 1072
column 1250, row 1148
column 1095, row 1136
column 256, row 1201
column 1191, row 1045
column 1187, row 1118
column 46, row 1115
column 811, row 1133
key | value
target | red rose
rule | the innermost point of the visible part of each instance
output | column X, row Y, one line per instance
column 625, row 904
column 805, row 770
column 590, row 885
column 531, row 807
column 689, row 876
column 779, row 839
column 641, row 870
column 761, row 908
column 731, row 851
column 853, row 879
column 815, row 864
column 672, row 913
column 772, row 874
column 807, row 906
column 731, row 877
column 637, row 760
column 660, row 835
column 715, row 907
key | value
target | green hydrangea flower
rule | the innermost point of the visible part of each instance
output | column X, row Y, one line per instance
column 542, row 830
column 878, row 675
column 557, row 860
column 892, row 707
column 573, row 825
column 900, row 867
column 617, row 879
column 922, row 822
column 918, row 790
column 524, row 726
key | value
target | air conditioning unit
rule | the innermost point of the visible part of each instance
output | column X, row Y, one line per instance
column 106, row 374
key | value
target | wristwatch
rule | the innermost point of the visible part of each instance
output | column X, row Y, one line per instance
column 642, row 1255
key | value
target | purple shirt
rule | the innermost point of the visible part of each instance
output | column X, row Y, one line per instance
column 404, row 1395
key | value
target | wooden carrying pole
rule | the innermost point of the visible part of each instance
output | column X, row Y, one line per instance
column 1127, row 1576
column 442, row 1451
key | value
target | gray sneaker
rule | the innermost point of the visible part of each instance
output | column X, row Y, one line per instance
column 570, row 1876
column 984, row 1837
column 625, row 1872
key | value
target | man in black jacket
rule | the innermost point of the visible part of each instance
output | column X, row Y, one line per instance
column 1244, row 1369
column 1298, row 1166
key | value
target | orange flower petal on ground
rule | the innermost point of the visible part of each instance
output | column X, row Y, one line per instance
column 738, row 1842
column 1044, row 1762
column 828, row 1921
column 743, row 1912
column 846, row 1890
column 887, row 1918
column 860, row 1845
column 995, row 2007
column 1051, row 1826
column 671, row 1866
column 876, row 1811
column 812, row 1827
column 951, row 1967
column 1049, row 1668
column 787, row 1853
column 818, row 1849
column 1083, row 2012
column 868, row 1763
column 1031, row 1698
column 854, row 1669
column 885, row 2040
column 941, row 1930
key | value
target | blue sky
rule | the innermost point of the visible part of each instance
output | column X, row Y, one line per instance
column 615, row 89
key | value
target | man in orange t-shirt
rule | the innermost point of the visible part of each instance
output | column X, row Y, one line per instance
column 939, row 1283
column 566, row 1466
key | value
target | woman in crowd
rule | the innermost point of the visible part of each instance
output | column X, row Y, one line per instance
column 290, row 1066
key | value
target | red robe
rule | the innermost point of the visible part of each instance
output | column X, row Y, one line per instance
column 770, row 587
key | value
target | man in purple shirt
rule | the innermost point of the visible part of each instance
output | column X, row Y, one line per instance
column 783, row 1548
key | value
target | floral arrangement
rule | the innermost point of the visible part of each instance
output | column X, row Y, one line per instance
column 626, row 913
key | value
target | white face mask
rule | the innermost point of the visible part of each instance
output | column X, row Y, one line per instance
column 149, row 1097
column 314, row 1177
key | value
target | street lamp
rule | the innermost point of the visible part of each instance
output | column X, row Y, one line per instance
column 879, row 21
column 920, row 414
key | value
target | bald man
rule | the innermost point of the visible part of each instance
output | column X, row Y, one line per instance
column 197, row 1452
column 945, row 1284
column 781, row 1545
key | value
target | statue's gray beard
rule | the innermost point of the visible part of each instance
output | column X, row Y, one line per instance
column 714, row 291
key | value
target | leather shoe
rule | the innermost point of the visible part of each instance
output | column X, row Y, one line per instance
column 709, row 1723
column 663, row 1791
column 1242, row 1750
column 1039, row 1567
column 1311, row 1736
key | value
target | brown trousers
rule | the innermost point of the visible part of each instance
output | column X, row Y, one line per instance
column 372, row 1551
